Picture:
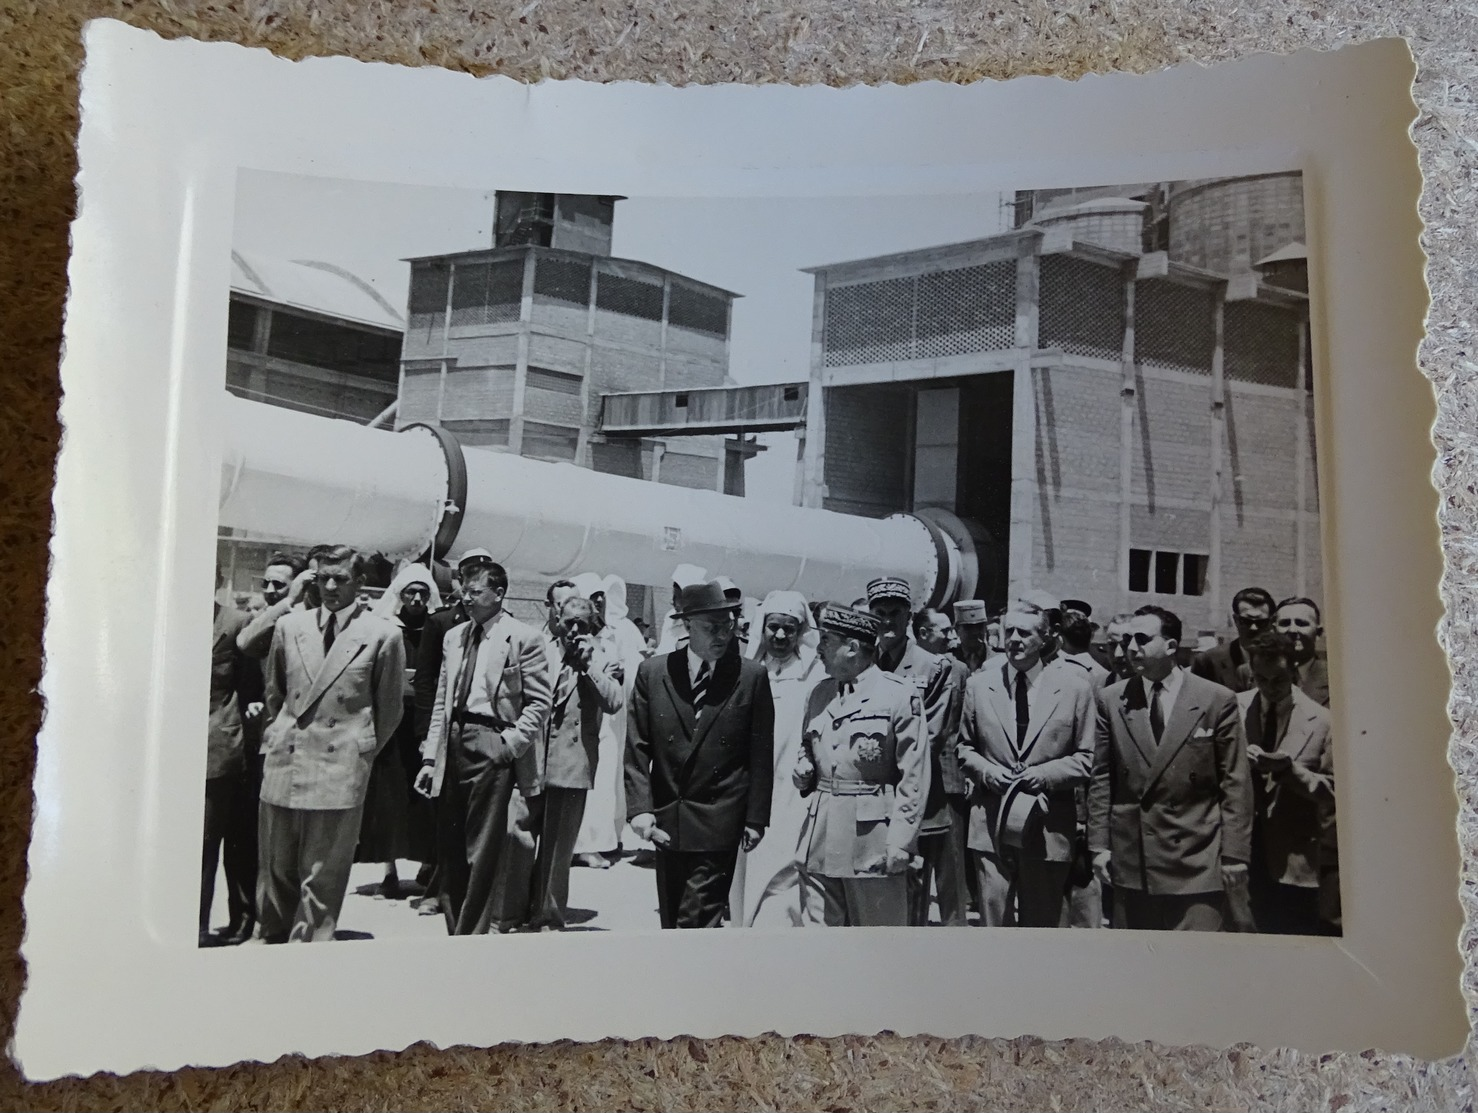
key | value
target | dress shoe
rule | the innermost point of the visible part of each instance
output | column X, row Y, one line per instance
column 235, row 935
column 593, row 861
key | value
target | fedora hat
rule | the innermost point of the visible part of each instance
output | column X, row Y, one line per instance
column 1020, row 812
column 703, row 598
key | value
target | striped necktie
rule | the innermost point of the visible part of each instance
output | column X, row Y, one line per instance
column 700, row 686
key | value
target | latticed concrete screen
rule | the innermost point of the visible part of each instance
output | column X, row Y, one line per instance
column 629, row 296
column 1261, row 344
column 487, row 293
column 1173, row 326
column 428, row 296
column 1082, row 307
column 945, row 313
column 692, row 309
column 566, row 281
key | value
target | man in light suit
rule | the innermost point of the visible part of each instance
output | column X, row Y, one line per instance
column 334, row 677
column 1026, row 740
column 492, row 702
column 1170, row 807
column 1287, row 739
column 700, row 759
column 890, row 600
column 865, row 765
column 587, row 688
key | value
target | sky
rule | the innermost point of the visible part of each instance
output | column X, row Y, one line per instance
column 755, row 247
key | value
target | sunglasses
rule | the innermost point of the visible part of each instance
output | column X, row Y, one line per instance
column 274, row 583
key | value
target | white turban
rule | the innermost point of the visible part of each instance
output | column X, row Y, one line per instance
column 388, row 604
column 792, row 604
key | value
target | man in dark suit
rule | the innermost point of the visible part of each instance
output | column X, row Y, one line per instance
column 492, row 703
column 1170, row 807
column 1252, row 613
column 587, row 688
column 890, row 599
column 700, row 759
column 1027, row 740
column 1287, row 739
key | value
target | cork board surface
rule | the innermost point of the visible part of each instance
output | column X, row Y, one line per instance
column 680, row 42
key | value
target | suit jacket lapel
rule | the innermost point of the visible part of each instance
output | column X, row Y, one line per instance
column 1003, row 703
column 1135, row 712
column 493, row 657
column 1043, row 707
column 346, row 647
column 1298, row 735
column 681, row 690
column 1183, row 718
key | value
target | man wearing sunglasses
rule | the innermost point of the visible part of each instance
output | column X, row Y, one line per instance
column 1170, row 805
column 285, row 586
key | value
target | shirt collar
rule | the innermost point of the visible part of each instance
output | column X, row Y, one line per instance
column 1031, row 673
column 343, row 618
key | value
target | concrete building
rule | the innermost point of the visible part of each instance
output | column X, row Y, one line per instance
column 311, row 336
column 1112, row 423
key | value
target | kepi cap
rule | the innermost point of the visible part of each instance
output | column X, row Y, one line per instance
column 849, row 622
column 970, row 612
column 475, row 558
column 889, row 587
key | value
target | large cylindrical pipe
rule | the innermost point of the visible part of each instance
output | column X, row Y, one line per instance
column 300, row 477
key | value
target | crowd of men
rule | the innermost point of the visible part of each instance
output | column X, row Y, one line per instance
column 784, row 763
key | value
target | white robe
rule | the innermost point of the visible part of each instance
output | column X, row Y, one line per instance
column 766, row 890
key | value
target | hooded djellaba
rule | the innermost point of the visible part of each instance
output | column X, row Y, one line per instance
column 398, row 822
column 767, row 883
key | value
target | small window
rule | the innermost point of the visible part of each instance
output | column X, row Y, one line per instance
column 561, row 382
column 1165, row 572
column 1139, row 570
column 680, row 401
column 792, row 393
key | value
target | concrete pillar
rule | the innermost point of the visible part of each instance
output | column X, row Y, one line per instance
column 1024, row 487
column 1218, row 452
column 521, row 368
column 1127, row 392
column 813, row 444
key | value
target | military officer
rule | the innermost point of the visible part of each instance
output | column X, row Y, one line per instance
column 864, row 763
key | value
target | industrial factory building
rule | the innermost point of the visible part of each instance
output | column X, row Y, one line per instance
column 1114, row 397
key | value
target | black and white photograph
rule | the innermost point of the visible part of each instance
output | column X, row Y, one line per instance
column 594, row 563
column 505, row 524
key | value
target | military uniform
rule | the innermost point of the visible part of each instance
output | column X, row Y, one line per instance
column 865, row 767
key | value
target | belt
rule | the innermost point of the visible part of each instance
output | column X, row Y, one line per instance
column 472, row 718
column 841, row 786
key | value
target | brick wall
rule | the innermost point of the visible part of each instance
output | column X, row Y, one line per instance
column 478, row 392
column 615, row 369
column 1226, row 226
column 552, row 406
column 867, row 442
column 637, row 331
column 1078, row 429
column 1075, row 549
column 418, row 397
column 473, row 350
column 681, row 469
column 1171, row 458
column 1258, row 550
column 1262, row 449
column 557, row 353
column 560, row 317
column 689, row 369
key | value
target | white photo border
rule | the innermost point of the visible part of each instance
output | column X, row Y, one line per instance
column 116, row 981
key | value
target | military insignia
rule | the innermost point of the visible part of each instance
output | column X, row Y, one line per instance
column 868, row 747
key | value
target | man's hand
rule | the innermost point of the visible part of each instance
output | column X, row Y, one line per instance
column 1031, row 779
column 751, row 838
column 299, row 585
column 1101, row 860
column 645, row 826
column 253, row 710
column 995, row 778
column 579, row 652
column 424, row 778
column 1234, row 875
column 803, row 774
column 897, row 861
column 618, row 673
column 1275, row 762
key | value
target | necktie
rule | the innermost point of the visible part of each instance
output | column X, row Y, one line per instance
column 1023, row 709
column 700, row 687
column 1269, row 726
column 328, row 632
column 469, row 666
column 1157, row 712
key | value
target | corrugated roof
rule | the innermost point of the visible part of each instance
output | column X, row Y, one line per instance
column 317, row 286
